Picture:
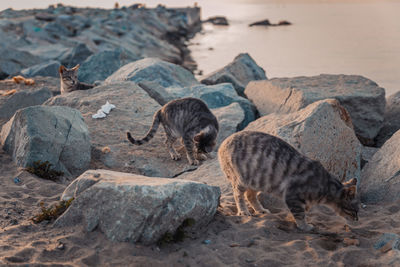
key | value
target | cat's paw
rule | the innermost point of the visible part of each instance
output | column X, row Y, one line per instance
column 176, row 157
column 201, row 156
column 243, row 213
column 194, row 162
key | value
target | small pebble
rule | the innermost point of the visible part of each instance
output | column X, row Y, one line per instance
column 207, row 241
column 363, row 206
column 234, row 245
column 96, row 175
column 60, row 246
column 249, row 260
column 17, row 180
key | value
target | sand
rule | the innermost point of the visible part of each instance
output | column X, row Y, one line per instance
column 229, row 240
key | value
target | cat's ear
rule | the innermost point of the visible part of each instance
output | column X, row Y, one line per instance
column 198, row 137
column 61, row 69
column 76, row 67
column 350, row 192
column 350, row 182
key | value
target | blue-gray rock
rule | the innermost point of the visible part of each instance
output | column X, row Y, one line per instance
column 391, row 122
column 55, row 134
column 239, row 73
column 99, row 66
column 13, row 60
column 21, row 99
column 43, row 69
column 361, row 97
column 388, row 239
column 166, row 74
column 133, row 208
column 75, row 55
column 381, row 175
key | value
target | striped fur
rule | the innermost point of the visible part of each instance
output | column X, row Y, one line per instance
column 189, row 119
column 256, row 162
column 69, row 80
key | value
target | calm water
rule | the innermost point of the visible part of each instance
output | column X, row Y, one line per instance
column 350, row 37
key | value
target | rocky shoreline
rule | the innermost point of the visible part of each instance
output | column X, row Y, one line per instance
column 135, row 206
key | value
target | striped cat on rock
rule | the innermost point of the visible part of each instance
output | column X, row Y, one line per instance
column 189, row 119
column 256, row 162
column 69, row 80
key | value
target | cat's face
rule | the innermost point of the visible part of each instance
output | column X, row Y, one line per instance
column 69, row 77
column 204, row 142
column 348, row 204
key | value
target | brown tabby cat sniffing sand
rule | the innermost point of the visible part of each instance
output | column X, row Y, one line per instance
column 69, row 80
column 256, row 162
column 189, row 119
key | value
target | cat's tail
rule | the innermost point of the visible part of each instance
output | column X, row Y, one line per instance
column 150, row 134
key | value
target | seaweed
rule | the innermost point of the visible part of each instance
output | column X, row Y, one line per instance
column 51, row 213
column 179, row 234
column 44, row 170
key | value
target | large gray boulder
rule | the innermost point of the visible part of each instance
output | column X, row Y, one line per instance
column 13, row 60
column 21, row 99
column 229, row 119
column 239, row 73
column 76, row 55
column 49, row 68
column 362, row 98
column 134, row 113
column 391, row 123
column 99, row 66
column 134, row 208
column 55, row 134
column 322, row 131
column 381, row 175
column 155, row 70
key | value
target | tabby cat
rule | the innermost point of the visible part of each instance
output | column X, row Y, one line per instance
column 69, row 80
column 256, row 162
column 190, row 119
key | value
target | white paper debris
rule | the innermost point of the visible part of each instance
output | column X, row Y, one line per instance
column 99, row 115
column 107, row 107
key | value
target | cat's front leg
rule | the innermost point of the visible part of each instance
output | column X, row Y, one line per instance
column 296, row 206
column 188, row 143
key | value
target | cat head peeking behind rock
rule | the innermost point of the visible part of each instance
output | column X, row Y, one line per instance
column 69, row 80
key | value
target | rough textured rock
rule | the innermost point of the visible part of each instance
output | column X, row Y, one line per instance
column 239, row 73
column 217, row 20
column 391, row 123
column 322, row 131
column 381, row 175
column 44, row 69
column 21, row 99
column 362, row 98
column 12, row 61
column 55, row 134
column 75, row 55
column 216, row 96
column 134, row 208
column 229, row 119
column 99, row 66
column 134, row 113
column 155, row 70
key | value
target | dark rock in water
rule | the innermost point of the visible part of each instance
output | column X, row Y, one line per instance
column 99, row 66
column 21, row 99
column 391, row 123
column 44, row 69
column 12, row 61
column 45, row 16
column 58, row 135
column 284, row 22
column 239, row 73
column 381, row 175
column 217, row 20
column 361, row 97
column 261, row 23
column 156, row 207
column 267, row 23
column 76, row 55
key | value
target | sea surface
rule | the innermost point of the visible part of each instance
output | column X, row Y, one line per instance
column 332, row 36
